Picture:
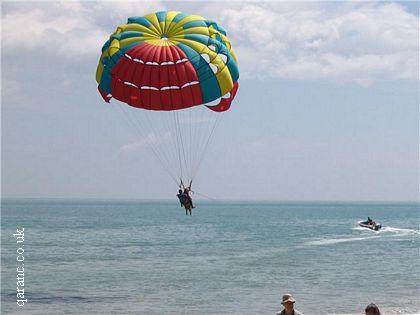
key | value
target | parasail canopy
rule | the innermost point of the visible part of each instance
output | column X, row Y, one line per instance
column 175, row 64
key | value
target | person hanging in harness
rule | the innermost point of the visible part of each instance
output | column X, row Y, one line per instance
column 187, row 194
column 185, row 198
column 182, row 198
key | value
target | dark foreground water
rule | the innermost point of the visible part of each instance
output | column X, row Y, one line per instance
column 99, row 257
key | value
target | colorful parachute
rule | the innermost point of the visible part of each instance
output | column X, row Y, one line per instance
column 170, row 62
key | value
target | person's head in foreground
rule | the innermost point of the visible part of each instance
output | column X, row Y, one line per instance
column 288, row 303
column 372, row 309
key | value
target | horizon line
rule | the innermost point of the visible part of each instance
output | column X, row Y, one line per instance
column 216, row 200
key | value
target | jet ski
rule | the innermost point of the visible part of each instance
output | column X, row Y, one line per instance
column 372, row 225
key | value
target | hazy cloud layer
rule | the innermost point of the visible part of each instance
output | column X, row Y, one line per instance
column 347, row 42
column 362, row 43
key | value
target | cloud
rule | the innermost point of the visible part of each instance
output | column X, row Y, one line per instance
column 340, row 42
column 363, row 69
column 66, row 35
column 68, row 28
column 360, row 43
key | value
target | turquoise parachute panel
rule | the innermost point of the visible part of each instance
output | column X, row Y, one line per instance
column 208, row 81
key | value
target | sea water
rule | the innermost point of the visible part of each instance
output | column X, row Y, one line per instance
column 137, row 257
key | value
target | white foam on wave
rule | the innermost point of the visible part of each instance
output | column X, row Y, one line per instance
column 388, row 230
column 391, row 229
column 331, row 241
column 359, row 228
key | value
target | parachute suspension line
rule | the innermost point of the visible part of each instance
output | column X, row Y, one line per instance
column 178, row 145
column 216, row 123
column 137, row 133
column 150, row 136
column 172, row 144
column 204, row 116
column 211, row 120
column 182, row 185
column 193, row 134
column 161, row 131
column 188, row 131
column 190, row 149
column 182, row 142
column 197, row 137
column 203, row 195
column 149, row 143
column 181, row 149
column 153, row 139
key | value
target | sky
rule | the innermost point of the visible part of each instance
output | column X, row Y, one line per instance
column 327, row 107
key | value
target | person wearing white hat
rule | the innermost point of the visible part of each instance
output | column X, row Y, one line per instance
column 288, row 303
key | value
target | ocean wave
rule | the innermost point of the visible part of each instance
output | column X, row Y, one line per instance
column 331, row 241
column 386, row 231
column 359, row 228
column 390, row 229
column 45, row 298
